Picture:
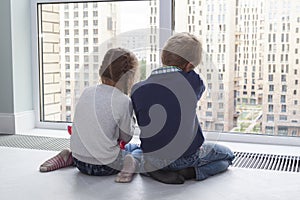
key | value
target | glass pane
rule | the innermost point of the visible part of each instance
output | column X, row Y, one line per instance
column 73, row 38
column 250, row 63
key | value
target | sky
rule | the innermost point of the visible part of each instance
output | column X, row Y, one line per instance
column 134, row 15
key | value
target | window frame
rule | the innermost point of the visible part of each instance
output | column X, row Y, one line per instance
column 166, row 29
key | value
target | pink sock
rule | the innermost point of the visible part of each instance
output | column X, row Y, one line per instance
column 61, row 160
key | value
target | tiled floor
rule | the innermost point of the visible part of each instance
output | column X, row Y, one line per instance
column 20, row 179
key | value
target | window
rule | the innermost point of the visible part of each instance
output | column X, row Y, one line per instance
column 95, row 14
column 96, row 59
column 85, row 14
column 271, row 108
column 66, row 23
column 270, row 118
column 283, row 108
column 259, row 47
column 95, row 40
column 283, row 100
column 95, row 22
column 75, row 14
column 269, row 130
column 283, row 130
column 85, row 32
column 220, row 115
column 209, row 105
column 284, row 88
column 208, row 114
column 96, row 49
column 270, row 77
column 109, row 23
column 282, row 117
column 70, row 53
column 270, row 98
column 85, row 23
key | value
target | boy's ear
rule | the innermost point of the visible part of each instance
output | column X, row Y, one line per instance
column 188, row 67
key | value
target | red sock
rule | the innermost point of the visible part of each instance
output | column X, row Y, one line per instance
column 61, row 160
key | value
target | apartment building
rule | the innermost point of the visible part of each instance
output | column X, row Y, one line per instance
column 214, row 23
column 87, row 31
column 251, row 57
column 281, row 68
column 249, row 51
column 153, row 52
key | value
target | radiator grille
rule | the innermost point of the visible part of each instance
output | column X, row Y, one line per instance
column 267, row 161
column 34, row 142
column 242, row 160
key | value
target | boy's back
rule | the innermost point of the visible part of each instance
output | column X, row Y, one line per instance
column 165, row 106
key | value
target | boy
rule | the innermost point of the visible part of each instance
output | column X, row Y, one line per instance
column 165, row 106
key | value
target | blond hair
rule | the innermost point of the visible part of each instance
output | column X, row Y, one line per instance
column 120, row 66
column 181, row 49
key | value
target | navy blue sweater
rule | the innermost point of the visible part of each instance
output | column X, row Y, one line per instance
column 165, row 106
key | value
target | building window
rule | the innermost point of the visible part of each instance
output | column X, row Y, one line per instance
column 96, row 49
column 283, row 108
column 208, row 114
column 270, row 98
column 109, row 23
column 283, row 99
column 95, row 22
column 95, row 14
column 271, row 108
column 209, row 105
column 219, row 127
column 85, row 14
column 269, row 130
column 270, row 118
column 283, row 130
column 270, row 77
column 282, row 117
column 85, row 23
column 284, row 88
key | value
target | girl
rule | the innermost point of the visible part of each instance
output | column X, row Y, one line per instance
column 103, row 118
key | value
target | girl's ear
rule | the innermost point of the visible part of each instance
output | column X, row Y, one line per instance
column 188, row 67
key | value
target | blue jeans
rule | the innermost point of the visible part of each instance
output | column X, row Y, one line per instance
column 209, row 160
column 110, row 169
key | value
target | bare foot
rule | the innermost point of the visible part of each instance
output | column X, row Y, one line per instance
column 127, row 173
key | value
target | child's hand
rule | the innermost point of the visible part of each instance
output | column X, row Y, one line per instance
column 70, row 130
column 122, row 144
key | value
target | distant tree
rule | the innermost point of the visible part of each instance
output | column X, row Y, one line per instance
column 142, row 69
